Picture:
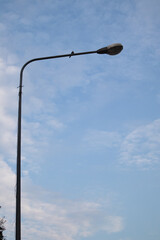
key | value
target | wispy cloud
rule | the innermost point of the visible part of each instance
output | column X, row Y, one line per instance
column 57, row 217
column 55, row 124
column 141, row 147
column 8, row 105
column 102, row 139
column 68, row 219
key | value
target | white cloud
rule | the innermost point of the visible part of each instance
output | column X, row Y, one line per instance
column 54, row 123
column 67, row 219
column 144, row 21
column 6, row 68
column 105, row 139
column 59, row 217
column 7, row 184
column 8, row 118
column 141, row 146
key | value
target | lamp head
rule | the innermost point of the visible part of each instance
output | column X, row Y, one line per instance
column 112, row 49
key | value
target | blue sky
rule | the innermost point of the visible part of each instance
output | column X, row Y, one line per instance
column 91, row 124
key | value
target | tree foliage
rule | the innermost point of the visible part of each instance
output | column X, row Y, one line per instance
column 2, row 227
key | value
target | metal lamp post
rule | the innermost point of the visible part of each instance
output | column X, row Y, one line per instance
column 112, row 49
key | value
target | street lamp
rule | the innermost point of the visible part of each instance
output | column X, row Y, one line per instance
column 112, row 49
